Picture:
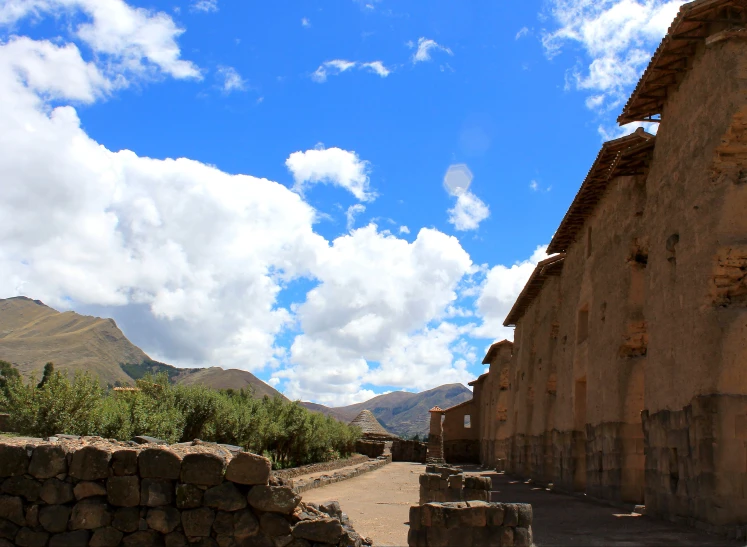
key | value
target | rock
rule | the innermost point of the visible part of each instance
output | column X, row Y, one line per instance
column 126, row 519
column 245, row 524
column 124, row 491
column 247, row 468
column 275, row 499
column 144, row 439
column 90, row 463
column 89, row 514
column 332, row 508
column 223, row 524
column 78, row 538
column 47, row 461
column 202, row 468
column 510, row 515
column 163, row 519
column 88, row 489
column 124, row 462
column 155, row 492
column 143, row 538
column 522, row 537
column 326, row 530
column 225, row 541
column 55, row 491
column 11, row 508
column 13, row 460
column 159, row 463
column 175, row 539
column 32, row 516
column 274, row 525
column 225, row 497
column 27, row 537
column 507, row 536
column 188, row 496
column 203, row 542
column 8, row 530
column 260, row 540
column 106, row 537
column 525, row 514
column 283, row 541
column 495, row 513
column 21, row 486
column 54, row 518
column 198, row 522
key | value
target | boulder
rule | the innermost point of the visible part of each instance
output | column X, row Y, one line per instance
column 88, row 489
column 106, row 537
column 90, row 514
column 13, row 460
column 32, row 516
column 163, row 519
column 124, row 462
column 175, row 539
column 223, row 524
column 326, row 530
column 202, row 468
column 21, row 486
column 156, row 492
column 198, row 522
column 143, row 538
column 245, row 524
column 78, row 538
column 247, row 468
column 225, row 497
column 126, row 519
column 26, row 537
column 90, row 463
column 55, row 491
column 188, row 496
column 48, row 460
column 11, row 508
column 275, row 499
column 8, row 530
column 274, row 525
column 123, row 491
column 159, row 463
column 54, row 518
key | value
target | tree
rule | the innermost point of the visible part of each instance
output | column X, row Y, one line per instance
column 48, row 371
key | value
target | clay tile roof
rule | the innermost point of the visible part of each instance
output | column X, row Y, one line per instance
column 692, row 25
column 544, row 269
column 494, row 349
column 370, row 426
column 436, row 409
column 625, row 156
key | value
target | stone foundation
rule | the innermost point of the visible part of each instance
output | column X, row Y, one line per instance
column 70, row 493
column 696, row 464
column 470, row 524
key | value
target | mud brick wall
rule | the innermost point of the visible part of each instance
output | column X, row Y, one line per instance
column 470, row 524
column 446, row 484
column 409, row 451
column 98, row 493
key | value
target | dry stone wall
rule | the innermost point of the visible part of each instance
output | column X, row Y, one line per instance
column 470, row 524
column 318, row 467
column 444, row 483
column 98, row 493
column 302, row 485
column 409, row 451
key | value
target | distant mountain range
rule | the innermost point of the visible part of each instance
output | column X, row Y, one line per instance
column 402, row 413
column 32, row 334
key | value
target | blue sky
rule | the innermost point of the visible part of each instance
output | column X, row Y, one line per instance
column 308, row 232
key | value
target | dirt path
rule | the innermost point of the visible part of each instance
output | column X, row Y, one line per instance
column 378, row 503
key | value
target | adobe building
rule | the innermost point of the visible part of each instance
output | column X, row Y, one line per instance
column 627, row 377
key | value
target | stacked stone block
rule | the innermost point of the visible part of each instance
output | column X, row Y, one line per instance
column 441, row 483
column 301, row 485
column 470, row 524
column 98, row 493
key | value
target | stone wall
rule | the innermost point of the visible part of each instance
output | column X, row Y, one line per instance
column 409, row 451
column 372, row 449
column 301, row 485
column 90, row 491
column 462, row 451
column 318, row 467
column 470, row 524
column 442, row 483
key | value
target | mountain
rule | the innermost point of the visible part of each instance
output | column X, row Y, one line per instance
column 32, row 333
column 400, row 412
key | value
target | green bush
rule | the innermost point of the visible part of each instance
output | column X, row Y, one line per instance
column 282, row 430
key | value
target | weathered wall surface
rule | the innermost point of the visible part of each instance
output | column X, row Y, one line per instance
column 93, row 492
column 473, row 523
column 627, row 377
column 409, row 451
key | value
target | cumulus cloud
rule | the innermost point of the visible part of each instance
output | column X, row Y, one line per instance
column 404, row 230
column 205, row 5
column 129, row 42
column 424, row 48
column 619, row 37
column 331, row 166
column 499, row 291
column 338, row 66
column 469, row 210
column 230, row 79
column 352, row 212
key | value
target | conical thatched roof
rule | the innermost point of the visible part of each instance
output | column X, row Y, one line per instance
column 371, row 427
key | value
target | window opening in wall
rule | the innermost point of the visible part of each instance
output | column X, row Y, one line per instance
column 583, row 324
column 467, row 421
column 588, row 242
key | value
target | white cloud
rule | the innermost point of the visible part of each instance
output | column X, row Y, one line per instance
column 498, row 293
column 231, row 80
column 522, row 32
column 534, row 186
column 305, row 22
column 205, row 5
column 129, row 42
column 425, row 46
column 404, row 230
column 618, row 36
column 468, row 212
column 331, row 166
column 352, row 212
column 338, row 66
